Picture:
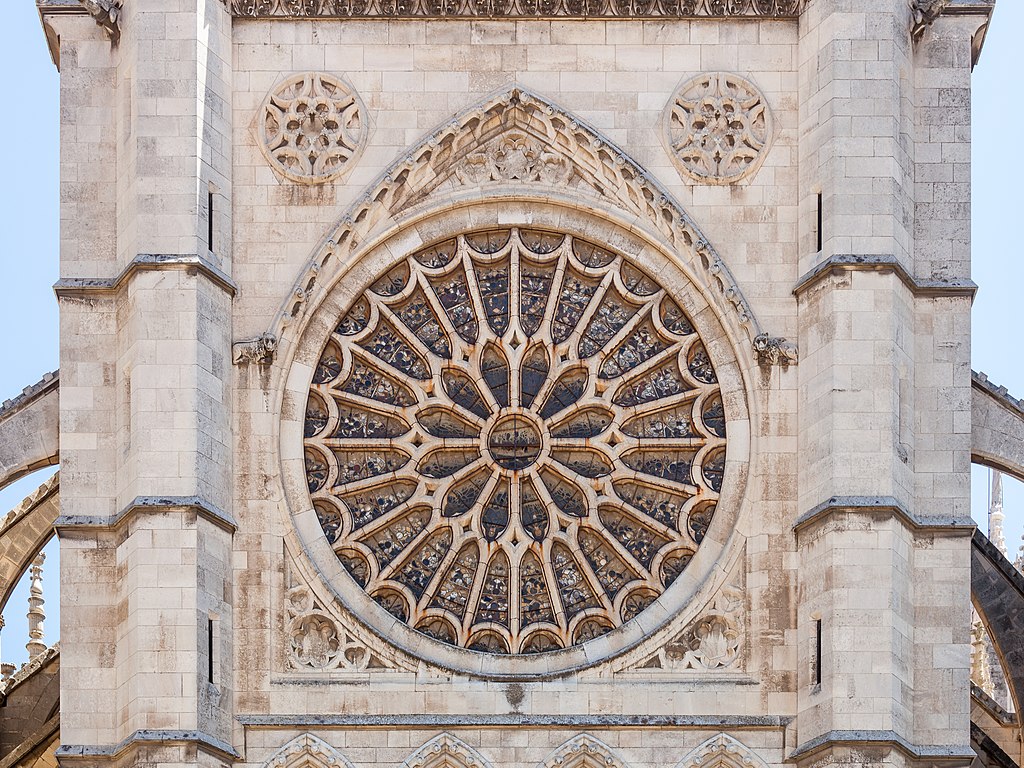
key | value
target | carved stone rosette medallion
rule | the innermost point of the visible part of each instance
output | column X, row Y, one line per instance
column 311, row 127
column 515, row 441
column 718, row 128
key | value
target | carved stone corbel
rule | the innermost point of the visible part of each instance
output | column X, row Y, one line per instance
column 924, row 13
column 107, row 14
column 260, row 350
column 775, row 350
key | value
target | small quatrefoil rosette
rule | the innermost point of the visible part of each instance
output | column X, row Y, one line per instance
column 311, row 128
column 718, row 128
column 515, row 441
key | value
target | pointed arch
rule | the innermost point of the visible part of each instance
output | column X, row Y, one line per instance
column 307, row 751
column 584, row 751
column 446, row 751
column 549, row 149
column 722, row 751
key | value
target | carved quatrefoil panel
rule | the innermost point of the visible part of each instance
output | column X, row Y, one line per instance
column 311, row 128
column 515, row 441
column 718, row 128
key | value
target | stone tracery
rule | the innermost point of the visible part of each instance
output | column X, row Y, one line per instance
column 310, row 127
column 718, row 127
column 515, row 441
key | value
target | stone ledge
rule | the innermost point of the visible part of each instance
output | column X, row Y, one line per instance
column 215, row 746
column 512, row 720
column 199, row 505
column 855, row 262
column 885, row 505
column 145, row 262
column 831, row 739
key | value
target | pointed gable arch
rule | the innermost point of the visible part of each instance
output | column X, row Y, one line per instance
column 307, row 751
column 722, row 751
column 446, row 751
column 584, row 751
column 515, row 143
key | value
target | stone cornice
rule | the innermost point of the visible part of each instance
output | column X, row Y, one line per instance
column 882, row 506
column 145, row 737
column 151, row 504
column 518, row 9
column 890, row 739
column 145, row 262
column 885, row 263
column 512, row 719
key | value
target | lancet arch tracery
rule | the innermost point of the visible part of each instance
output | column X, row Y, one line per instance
column 584, row 751
column 446, row 751
column 307, row 751
column 722, row 751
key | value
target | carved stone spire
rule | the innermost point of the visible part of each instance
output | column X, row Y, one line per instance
column 980, row 674
column 36, row 613
column 995, row 513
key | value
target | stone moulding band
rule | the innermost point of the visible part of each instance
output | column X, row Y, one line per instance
column 856, row 262
column 514, row 720
column 151, row 504
column 145, row 262
column 861, row 739
column 882, row 505
column 142, row 737
column 518, row 9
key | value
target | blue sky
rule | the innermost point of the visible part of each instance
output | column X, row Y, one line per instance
column 30, row 213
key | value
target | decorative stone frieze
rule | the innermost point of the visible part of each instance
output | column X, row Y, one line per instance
column 515, row 442
column 311, row 128
column 714, row 641
column 718, row 128
column 627, row 9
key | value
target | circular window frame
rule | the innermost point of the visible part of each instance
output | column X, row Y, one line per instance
column 683, row 598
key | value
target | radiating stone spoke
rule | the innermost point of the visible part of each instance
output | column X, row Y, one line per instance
column 526, row 423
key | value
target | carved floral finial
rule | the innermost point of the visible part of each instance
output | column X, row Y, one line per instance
column 775, row 350
column 924, row 13
column 107, row 14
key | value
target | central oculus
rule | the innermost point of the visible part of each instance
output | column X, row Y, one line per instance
column 514, row 442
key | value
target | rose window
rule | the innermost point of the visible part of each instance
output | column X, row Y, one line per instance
column 515, row 441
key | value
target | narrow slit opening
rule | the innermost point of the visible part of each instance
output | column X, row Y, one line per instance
column 210, row 646
column 817, row 652
column 821, row 216
column 209, row 220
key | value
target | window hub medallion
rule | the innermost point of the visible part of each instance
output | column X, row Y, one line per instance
column 515, row 441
